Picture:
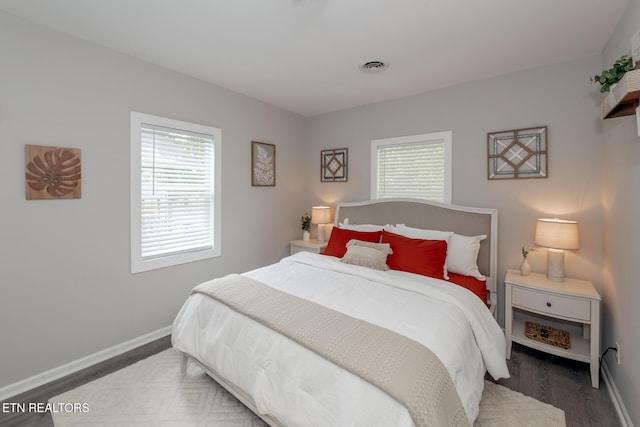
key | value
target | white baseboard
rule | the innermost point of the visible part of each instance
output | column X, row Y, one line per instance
column 71, row 367
column 618, row 403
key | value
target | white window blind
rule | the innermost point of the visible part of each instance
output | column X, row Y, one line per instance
column 177, row 191
column 418, row 166
column 175, row 220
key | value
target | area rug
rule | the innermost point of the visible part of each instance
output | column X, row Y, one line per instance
column 153, row 393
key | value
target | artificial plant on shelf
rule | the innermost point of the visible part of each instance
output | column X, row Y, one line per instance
column 306, row 226
column 613, row 75
column 525, row 268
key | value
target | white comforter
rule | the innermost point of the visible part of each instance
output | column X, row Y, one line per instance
column 298, row 387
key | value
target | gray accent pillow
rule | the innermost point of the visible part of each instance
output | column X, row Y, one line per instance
column 367, row 254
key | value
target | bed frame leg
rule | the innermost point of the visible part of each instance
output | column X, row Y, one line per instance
column 184, row 361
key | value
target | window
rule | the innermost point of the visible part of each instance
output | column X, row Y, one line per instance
column 175, row 192
column 412, row 166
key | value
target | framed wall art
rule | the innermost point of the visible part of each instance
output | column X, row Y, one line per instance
column 52, row 172
column 334, row 165
column 263, row 164
column 518, row 153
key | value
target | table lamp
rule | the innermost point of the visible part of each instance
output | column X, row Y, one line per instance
column 557, row 235
column 321, row 215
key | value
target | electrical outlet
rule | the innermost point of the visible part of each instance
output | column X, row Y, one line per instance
column 618, row 352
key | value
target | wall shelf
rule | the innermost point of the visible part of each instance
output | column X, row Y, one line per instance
column 623, row 98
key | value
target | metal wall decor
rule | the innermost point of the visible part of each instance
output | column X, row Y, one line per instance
column 263, row 164
column 52, row 172
column 334, row 165
column 518, row 153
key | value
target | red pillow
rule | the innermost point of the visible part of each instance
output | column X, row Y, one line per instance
column 337, row 245
column 426, row 257
column 478, row 287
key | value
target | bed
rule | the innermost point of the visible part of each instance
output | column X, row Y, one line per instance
column 287, row 381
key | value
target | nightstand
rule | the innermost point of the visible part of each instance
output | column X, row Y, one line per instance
column 574, row 303
column 312, row 245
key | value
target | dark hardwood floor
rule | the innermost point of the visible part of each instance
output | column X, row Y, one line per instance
column 562, row 383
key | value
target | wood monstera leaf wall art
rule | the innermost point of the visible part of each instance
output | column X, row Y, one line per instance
column 52, row 172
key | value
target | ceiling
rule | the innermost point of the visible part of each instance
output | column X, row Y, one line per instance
column 304, row 55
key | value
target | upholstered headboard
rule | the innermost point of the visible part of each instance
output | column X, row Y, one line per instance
column 425, row 214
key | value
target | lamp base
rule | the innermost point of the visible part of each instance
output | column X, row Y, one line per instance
column 321, row 233
column 555, row 265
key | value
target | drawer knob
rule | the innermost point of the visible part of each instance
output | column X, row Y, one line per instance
column 548, row 304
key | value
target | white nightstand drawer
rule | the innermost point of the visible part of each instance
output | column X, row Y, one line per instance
column 552, row 304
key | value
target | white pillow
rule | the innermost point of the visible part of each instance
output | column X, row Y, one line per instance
column 419, row 233
column 462, row 255
column 361, row 227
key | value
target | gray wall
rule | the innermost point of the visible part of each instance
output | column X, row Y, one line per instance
column 559, row 96
column 621, row 201
column 65, row 286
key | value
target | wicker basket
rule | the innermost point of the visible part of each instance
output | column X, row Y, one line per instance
column 547, row 335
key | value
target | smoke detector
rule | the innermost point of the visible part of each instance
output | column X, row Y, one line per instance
column 374, row 66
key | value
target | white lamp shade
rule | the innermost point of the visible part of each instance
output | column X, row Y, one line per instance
column 557, row 234
column 320, row 215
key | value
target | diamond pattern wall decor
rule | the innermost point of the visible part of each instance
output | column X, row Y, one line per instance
column 518, row 153
column 334, row 165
